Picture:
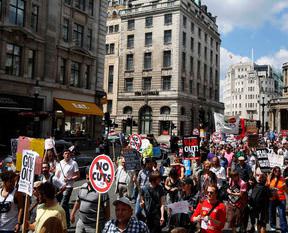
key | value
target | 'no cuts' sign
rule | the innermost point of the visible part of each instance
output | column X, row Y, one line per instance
column 27, row 172
column 101, row 173
column 135, row 141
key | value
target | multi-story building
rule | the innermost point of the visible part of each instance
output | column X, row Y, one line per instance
column 168, row 71
column 51, row 66
column 245, row 86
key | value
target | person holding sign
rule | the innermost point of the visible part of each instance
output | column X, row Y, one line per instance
column 11, row 204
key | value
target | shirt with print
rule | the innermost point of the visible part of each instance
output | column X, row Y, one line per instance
column 133, row 226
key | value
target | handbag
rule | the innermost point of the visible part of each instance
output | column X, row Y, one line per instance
column 5, row 207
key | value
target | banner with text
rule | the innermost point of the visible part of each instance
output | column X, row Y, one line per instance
column 226, row 124
column 263, row 161
column 191, row 146
column 132, row 160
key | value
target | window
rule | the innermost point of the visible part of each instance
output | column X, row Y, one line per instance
column 198, row 68
column 131, row 24
column 211, row 42
column 184, row 21
column 111, row 29
column 146, row 83
column 165, row 110
column 191, row 65
column 13, row 59
column 91, row 7
column 109, row 106
column 116, row 28
column 166, row 83
column 217, row 46
column 167, row 37
column 192, row 44
column 110, row 79
column 182, row 84
column 110, row 48
column 75, row 74
column 127, row 110
column 168, row 19
column 199, row 49
column 129, row 84
column 211, row 57
column 183, row 61
column 129, row 62
column 80, row 4
column 17, row 12
column 190, row 86
column 89, row 38
column 147, row 61
column 62, row 76
column 78, row 34
column 206, row 37
column 192, row 27
column 31, row 63
column 86, row 80
column 130, row 41
column 205, row 53
column 167, row 58
column 148, row 39
column 216, row 59
column 184, row 39
column 34, row 17
column 65, row 28
column 149, row 22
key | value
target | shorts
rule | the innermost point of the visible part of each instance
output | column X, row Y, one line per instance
column 233, row 215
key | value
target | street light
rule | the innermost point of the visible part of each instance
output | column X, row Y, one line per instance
column 263, row 104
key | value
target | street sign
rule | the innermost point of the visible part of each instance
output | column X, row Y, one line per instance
column 101, row 173
column 135, row 141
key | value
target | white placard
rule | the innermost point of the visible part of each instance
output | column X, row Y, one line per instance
column 179, row 207
column 27, row 172
column 275, row 160
column 49, row 143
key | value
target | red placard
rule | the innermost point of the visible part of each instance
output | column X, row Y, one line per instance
column 101, row 173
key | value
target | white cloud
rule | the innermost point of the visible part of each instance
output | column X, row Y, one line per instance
column 234, row 14
column 276, row 60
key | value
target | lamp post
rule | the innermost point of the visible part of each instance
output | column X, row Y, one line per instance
column 263, row 104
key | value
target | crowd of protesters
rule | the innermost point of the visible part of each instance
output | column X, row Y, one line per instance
column 225, row 187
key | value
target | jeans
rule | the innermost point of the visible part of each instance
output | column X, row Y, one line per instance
column 138, row 210
column 65, row 203
column 82, row 228
column 281, row 207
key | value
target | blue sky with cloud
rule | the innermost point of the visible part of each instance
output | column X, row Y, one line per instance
column 246, row 24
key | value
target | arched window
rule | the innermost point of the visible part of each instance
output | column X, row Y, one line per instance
column 127, row 110
column 182, row 111
column 145, row 120
column 165, row 110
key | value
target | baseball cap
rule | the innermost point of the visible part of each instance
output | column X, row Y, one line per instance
column 241, row 158
column 123, row 200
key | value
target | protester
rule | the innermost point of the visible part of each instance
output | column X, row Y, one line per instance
column 50, row 157
column 124, row 221
column 153, row 201
column 48, row 207
column 243, row 169
column 67, row 172
column 211, row 213
column 278, row 188
column 179, row 167
column 87, row 203
column 172, row 186
column 123, row 181
column 11, row 204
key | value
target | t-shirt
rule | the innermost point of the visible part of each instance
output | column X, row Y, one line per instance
column 229, row 158
column 43, row 213
column 219, row 213
column 66, row 170
column 280, row 192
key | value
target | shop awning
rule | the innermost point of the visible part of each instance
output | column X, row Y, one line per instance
column 79, row 107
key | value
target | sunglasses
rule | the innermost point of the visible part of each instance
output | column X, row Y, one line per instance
column 209, row 192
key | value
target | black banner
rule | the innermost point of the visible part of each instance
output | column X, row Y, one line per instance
column 132, row 160
column 263, row 161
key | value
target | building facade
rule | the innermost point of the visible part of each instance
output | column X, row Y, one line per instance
column 168, row 67
column 244, row 88
column 51, row 67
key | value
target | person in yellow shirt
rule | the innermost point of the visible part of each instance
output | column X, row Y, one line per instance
column 48, row 207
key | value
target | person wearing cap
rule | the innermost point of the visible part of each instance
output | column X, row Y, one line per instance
column 243, row 169
column 87, row 203
column 124, row 221
column 67, row 172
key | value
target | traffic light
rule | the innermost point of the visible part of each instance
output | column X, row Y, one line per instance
column 134, row 123
column 173, row 126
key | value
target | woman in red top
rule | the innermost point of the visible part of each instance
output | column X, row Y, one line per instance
column 278, row 200
column 211, row 213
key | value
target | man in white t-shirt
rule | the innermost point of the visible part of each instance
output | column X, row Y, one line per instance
column 67, row 171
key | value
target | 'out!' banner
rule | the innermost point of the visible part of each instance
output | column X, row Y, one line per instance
column 191, row 146
column 226, row 124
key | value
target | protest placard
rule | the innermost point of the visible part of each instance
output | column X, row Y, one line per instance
column 263, row 161
column 179, row 207
column 253, row 140
column 14, row 143
column 191, row 146
column 27, row 172
column 275, row 159
column 132, row 160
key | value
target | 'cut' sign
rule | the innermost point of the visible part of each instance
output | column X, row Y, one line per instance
column 101, row 173
column 191, row 146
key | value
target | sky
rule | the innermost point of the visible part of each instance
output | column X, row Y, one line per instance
column 261, row 25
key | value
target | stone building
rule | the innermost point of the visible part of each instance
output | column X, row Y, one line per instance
column 168, row 71
column 245, row 86
column 51, row 67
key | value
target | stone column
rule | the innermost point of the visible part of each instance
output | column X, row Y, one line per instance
column 278, row 118
column 273, row 119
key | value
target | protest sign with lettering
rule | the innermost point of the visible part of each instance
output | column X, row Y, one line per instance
column 226, row 124
column 179, row 207
column 14, row 143
column 275, row 159
column 132, row 160
column 191, row 146
column 263, row 161
column 27, row 172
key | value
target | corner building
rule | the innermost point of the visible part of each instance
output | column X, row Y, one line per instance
column 51, row 62
column 168, row 67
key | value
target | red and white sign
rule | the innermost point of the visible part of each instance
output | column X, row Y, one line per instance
column 135, row 141
column 101, row 173
column 216, row 137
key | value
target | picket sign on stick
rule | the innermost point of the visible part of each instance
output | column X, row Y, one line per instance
column 25, row 212
column 101, row 176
